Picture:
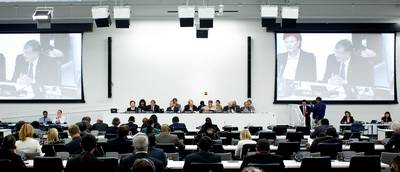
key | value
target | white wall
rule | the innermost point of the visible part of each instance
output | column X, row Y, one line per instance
column 156, row 59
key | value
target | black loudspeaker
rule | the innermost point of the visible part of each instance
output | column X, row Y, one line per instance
column 206, row 23
column 186, row 22
column 248, row 67
column 289, row 23
column 114, row 110
column 268, row 22
column 122, row 23
column 104, row 22
column 109, row 57
column 201, row 33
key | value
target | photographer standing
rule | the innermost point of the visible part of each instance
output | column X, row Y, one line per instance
column 318, row 109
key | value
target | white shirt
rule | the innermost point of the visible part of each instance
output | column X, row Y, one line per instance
column 291, row 66
column 346, row 69
column 239, row 148
column 30, row 145
column 61, row 120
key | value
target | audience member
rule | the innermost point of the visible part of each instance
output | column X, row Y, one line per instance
column 347, row 118
column 393, row 144
column 203, row 156
column 143, row 165
column 37, row 133
column 120, row 144
column 140, row 144
column 331, row 136
column 150, row 128
column 320, row 130
column 177, row 126
column 190, row 107
column 252, row 169
column 245, row 138
column 7, row 151
column 133, row 128
column 263, row 156
column 73, row 147
column 99, row 125
column 166, row 137
column 207, row 125
column 113, row 129
column 395, row 164
column 154, row 118
column 59, row 117
column 144, row 122
column 84, row 125
column 132, row 107
column 26, row 143
column 45, row 119
column 142, row 106
column 87, row 161
column 218, row 106
column 52, row 137
column 18, row 126
column 156, row 153
column 386, row 118
column 153, row 107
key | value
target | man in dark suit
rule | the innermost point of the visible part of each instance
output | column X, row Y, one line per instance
column 132, row 126
column 296, row 64
column 232, row 107
column 153, row 107
column 344, row 67
column 140, row 143
column 35, row 67
column 166, row 137
column 320, row 131
column 172, row 107
column 263, row 156
column 306, row 111
column 99, row 125
column 203, row 156
column 120, row 144
column 190, row 107
column 74, row 146
column 177, row 126
column 156, row 153
column 2, row 67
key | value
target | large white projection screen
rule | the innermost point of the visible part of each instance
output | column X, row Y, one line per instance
column 42, row 66
column 335, row 66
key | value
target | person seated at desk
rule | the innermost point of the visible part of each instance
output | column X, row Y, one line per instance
column 207, row 125
column 142, row 108
column 175, row 100
column 45, row 119
column 386, row 118
column 132, row 126
column 210, row 108
column 37, row 132
column 177, row 126
column 113, row 129
column 153, row 107
column 52, row 139
column 156, row 153
column 87, row 161
column 132, row 107
column 247, row 107
column 263, row 156
column 201, row 105
column 347, row 118
column 166, row 137
column 232, row 107
column 18, row 126
column 150, row 128
column 393, row 144
column 144, row 123
column 203, row 156
column 320, row 130
column 172, row 107
column 100, row 125
column 59, row 117
column 218, row 106
column 245, row 138
column 190, row 107
column 8, row 151
column 120, row 144
column 331, row 136
column 74, row 146
column 140, row 143
column 26, row 143
column 155, row 120
column 85, row 125
column 143, row 165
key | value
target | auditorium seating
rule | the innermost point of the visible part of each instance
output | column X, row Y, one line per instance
column 48, row 164
column 320, row 163
column 369, row 163
column 206, row 167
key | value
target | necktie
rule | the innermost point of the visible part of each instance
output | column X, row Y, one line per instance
column 30, row 70
column 342, row 70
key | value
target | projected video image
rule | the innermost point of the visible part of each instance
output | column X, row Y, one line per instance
column 335, row 66
column 40, row 66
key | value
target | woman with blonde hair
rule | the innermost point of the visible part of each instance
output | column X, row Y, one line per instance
column 52, row 137
column 245, row 138
column 26, row 143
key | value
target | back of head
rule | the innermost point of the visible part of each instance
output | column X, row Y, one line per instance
column 205, row 143
column 88, row 142
column 123, row 131
column 208, row 120
column 395, row 164
column 143, row 165
column 99, row 121
column 262, row 145
column 83, row 126
column 324, row 121
column 331, row 131
column 154, row 118
column 396, row 126
column 19, row 124
column 175, row 119
column 8, row 143
column 131, row 119
column 252, row 169
column 116, row 122
column 35, row 124
column 140, row 142
column 86, row 119
column 164, row 128
column 52, row 136
column 73, row 130
column 25, row 132
column 245, row 134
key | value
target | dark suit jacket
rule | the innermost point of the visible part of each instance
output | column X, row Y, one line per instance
column 229, row 109
column 393, row 141
column 156, row 109
column 74, row 146
column 126, row 163
column 158, row 154
column 129, row 109
column 2, row 68
column 112, row 130
column 133, row 128
column 99, row 126
column 47, row 70
column 178, row 126
column 78, row 165
column 262, row 158
column 187, row 108
column 141, row 109
column 174, row 110
column 15, row 159
column 357, row 67
column 319, row 131
column 306, row 67
column 307, row 115
column 204, row 128
column 344, row 120
column 202, row 157
column 120, row 145
column 326, row 139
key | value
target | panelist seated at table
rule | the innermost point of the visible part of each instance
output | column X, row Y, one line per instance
column 142, row 108
column 45, row 118
column 60, row 119
column 203, row 156
column 132, row 107
column 247, row 107
column 172, row 107
column 393, row 144
column 210, row 108
column 263, row 155
column 347, row 118
column 232, row 107
column 8, row 151
column 218, row 106
column 331, row 136
column 153, row 107
column 190, row 107
column 386, row 118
